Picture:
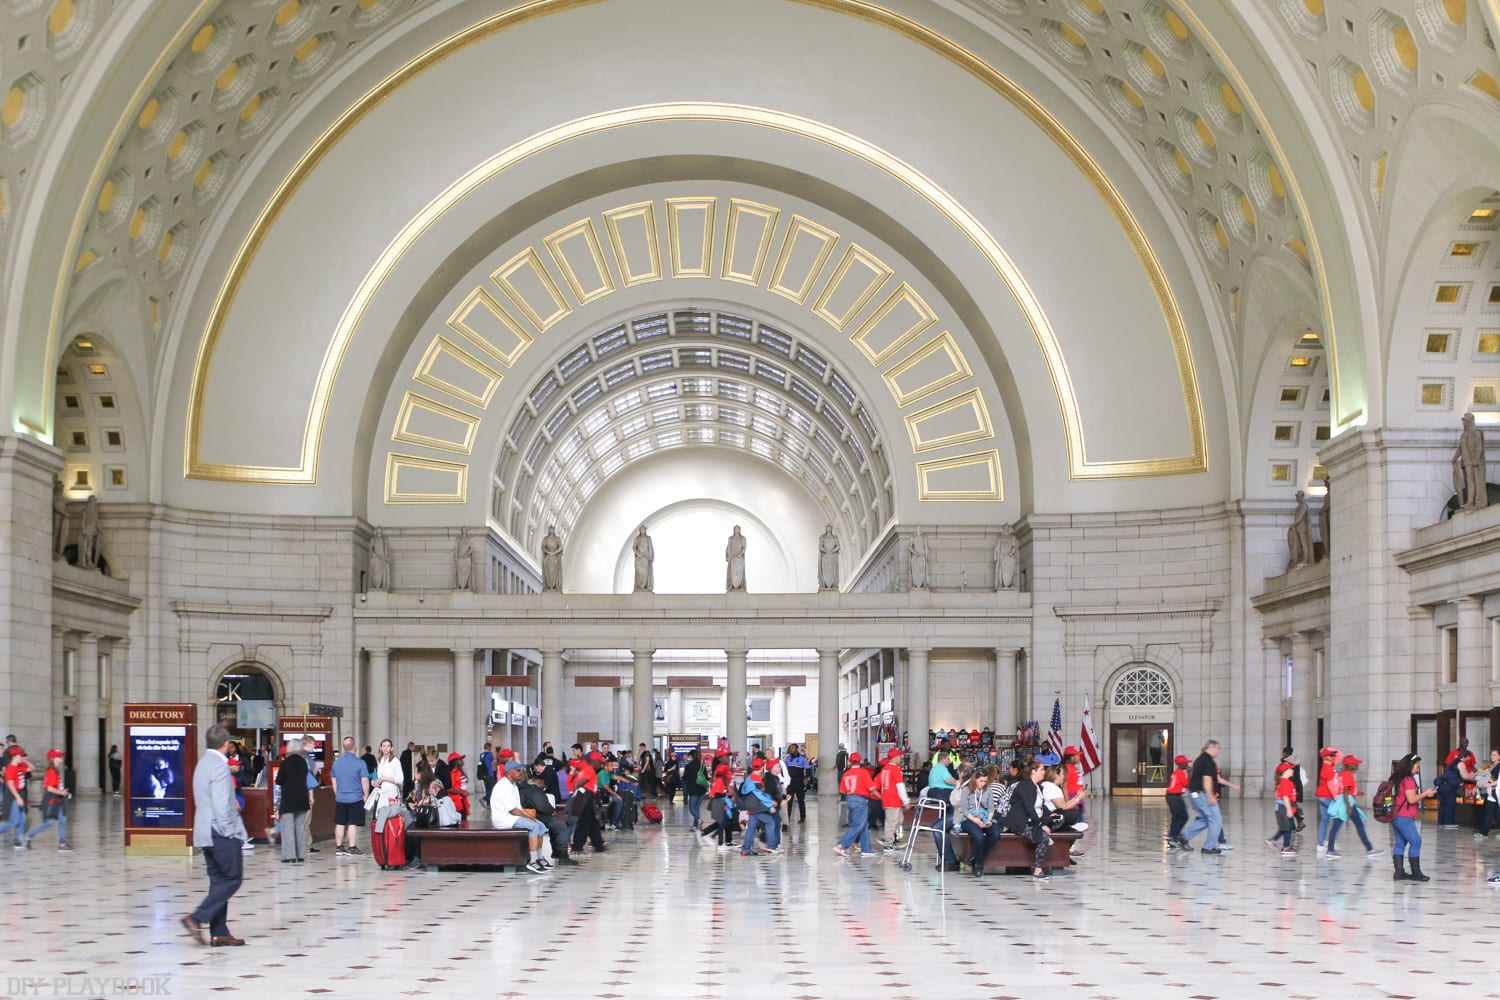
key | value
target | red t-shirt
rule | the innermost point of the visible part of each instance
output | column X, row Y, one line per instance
column 52, row 779
column 891, row 780
column 856, row 782
column 17, row 774
column 1348, row 784
column 1402, row 807
column 1327, row 779
column 1073, row 780
column 583, row 776
column 1177, row 783
column 1286, row 792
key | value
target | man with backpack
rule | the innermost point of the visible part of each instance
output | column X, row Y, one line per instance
column 756, row 803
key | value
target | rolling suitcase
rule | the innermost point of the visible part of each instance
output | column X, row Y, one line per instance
column 389, row 846
column 651, row 812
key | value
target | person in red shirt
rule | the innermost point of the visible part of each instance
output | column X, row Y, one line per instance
column 720, row 809
column 458, row 784
column 54, row 799
column 1347, row 792
column 1286, row 810
column 1406, row 781
column 17, row 773
column 891, row 783
column 1328, row 766
column 1176, row 786
column 855, row 786
column 583, row 786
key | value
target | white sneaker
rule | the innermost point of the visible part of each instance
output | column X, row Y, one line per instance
column 1322, row 850
column 1080, row 827
column 537, row 868
column 247, row 847
column 1374, row 852
column 728, row 847
column 1226, row 847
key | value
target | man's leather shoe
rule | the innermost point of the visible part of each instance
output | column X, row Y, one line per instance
column 193, row 928
column 227, row 941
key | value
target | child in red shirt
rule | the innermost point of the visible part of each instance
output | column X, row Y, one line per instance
column 1286, row 810
column 54, row 798
column 1176, row 786
column 17, row 773
column 1348, row 795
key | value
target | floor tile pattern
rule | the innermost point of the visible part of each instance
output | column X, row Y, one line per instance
column 660, row 916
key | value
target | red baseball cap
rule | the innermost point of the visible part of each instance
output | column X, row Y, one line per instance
column 1068, row 750
column 575, row 762
column 757, row 764
column 855, row 758
column 892, row 753
column 55, row 754
column 16, row 751
column 1352, row 760
column 1181, row 759
column 1283, row 767
column 455, row 755
column 1328, row 752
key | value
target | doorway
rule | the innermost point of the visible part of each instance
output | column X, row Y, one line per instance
column 1143, row 755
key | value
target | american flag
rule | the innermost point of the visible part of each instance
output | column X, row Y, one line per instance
column 1087, row 740
column 1054, row 732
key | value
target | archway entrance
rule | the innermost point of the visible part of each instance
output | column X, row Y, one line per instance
column 1141, row 732
column 245, row 703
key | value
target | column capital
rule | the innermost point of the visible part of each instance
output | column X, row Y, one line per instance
column 642, row 652
column 1470, row 602
column 923, row 649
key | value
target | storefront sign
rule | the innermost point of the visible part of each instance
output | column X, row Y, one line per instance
column 1147, row 715
column 509, row 680
column 690, row 681
column 596, row 682
column 783, row 680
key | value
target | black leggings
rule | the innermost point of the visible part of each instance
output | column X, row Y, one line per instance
column 799, row 796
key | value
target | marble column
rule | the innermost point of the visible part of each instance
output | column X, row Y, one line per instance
column 642, row 700
column 464, row 711
column 59, row 670
column 552, row 710
column 619, row 733
column 778, row 719
column 917, row 712
column 86, row 720
column 378, row 690
column 734, row 701
column 27, row 471
column 674, row 710
column 1304, row 714
column 1473, row 662
column 1005, row 691
column 828, row 721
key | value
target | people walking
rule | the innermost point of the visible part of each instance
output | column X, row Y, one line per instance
column 1203, row 795
column 1327, row 788
column 17, row 779
column 1346, row 807
column 218, row 831
column 1177, row 784
column 291, row 778
column 351, row 787
column 855, row 787
column 55, row 796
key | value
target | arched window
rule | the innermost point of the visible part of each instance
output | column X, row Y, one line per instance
column 1143, row 686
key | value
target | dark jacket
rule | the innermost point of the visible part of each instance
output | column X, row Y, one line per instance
column 1022, row 817
column 533, row 797
column 690, row 778
column 291, row 778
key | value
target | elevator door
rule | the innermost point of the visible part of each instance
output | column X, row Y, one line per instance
column 1142, row 755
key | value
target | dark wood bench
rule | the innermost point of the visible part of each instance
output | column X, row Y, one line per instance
column 1010, row 851
column 473, row 845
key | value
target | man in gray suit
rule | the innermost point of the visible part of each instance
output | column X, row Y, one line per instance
column 219, row 831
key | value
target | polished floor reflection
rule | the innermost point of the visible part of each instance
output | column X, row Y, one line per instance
column 659, row 916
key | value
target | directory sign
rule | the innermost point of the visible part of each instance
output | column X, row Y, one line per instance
column 161, row 750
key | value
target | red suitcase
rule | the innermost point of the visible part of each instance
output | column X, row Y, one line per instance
column 390, row 845
column 651, row 812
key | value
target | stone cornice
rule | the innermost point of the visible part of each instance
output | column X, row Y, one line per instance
column 92, row 589
column 243, row 612
column 1298, row 585
column 1468, row 536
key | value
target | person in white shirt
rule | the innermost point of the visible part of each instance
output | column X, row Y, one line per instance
column 506, row 813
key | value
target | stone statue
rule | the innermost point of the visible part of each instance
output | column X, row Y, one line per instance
column 88, row 534
column 1468, row 467
column 1325, row 514
column 552, row 550
column 1299, row 535
column 645, row 557
column 734, row 555
column 919, row 560
column 1007, row 559
column 463, row 561
column 828, row 560
column 60, row 519
column 378, row 576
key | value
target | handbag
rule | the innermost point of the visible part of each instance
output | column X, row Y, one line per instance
column 425, row 817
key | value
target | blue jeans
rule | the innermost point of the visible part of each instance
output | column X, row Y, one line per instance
column 1323, row 819
column 1447, row 803
column 61, row 822
column 1208, row 818
column 616, row 808
column 772, row 827
column 756, row 823
column 16, row 820
column 1359, row 827
column 1408, row 834
column 981, row 839
column 859, row 823
column 695, row 805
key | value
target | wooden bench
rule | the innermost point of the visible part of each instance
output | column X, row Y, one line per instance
column 1011, row 851
column 473, row 845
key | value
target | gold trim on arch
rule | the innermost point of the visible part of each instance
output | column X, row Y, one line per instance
column 1080, row 467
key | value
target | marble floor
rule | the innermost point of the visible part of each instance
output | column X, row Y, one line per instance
column 659, row 916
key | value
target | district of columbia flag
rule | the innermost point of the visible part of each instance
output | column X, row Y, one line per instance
column 1054, row 732
column 1088, row 742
